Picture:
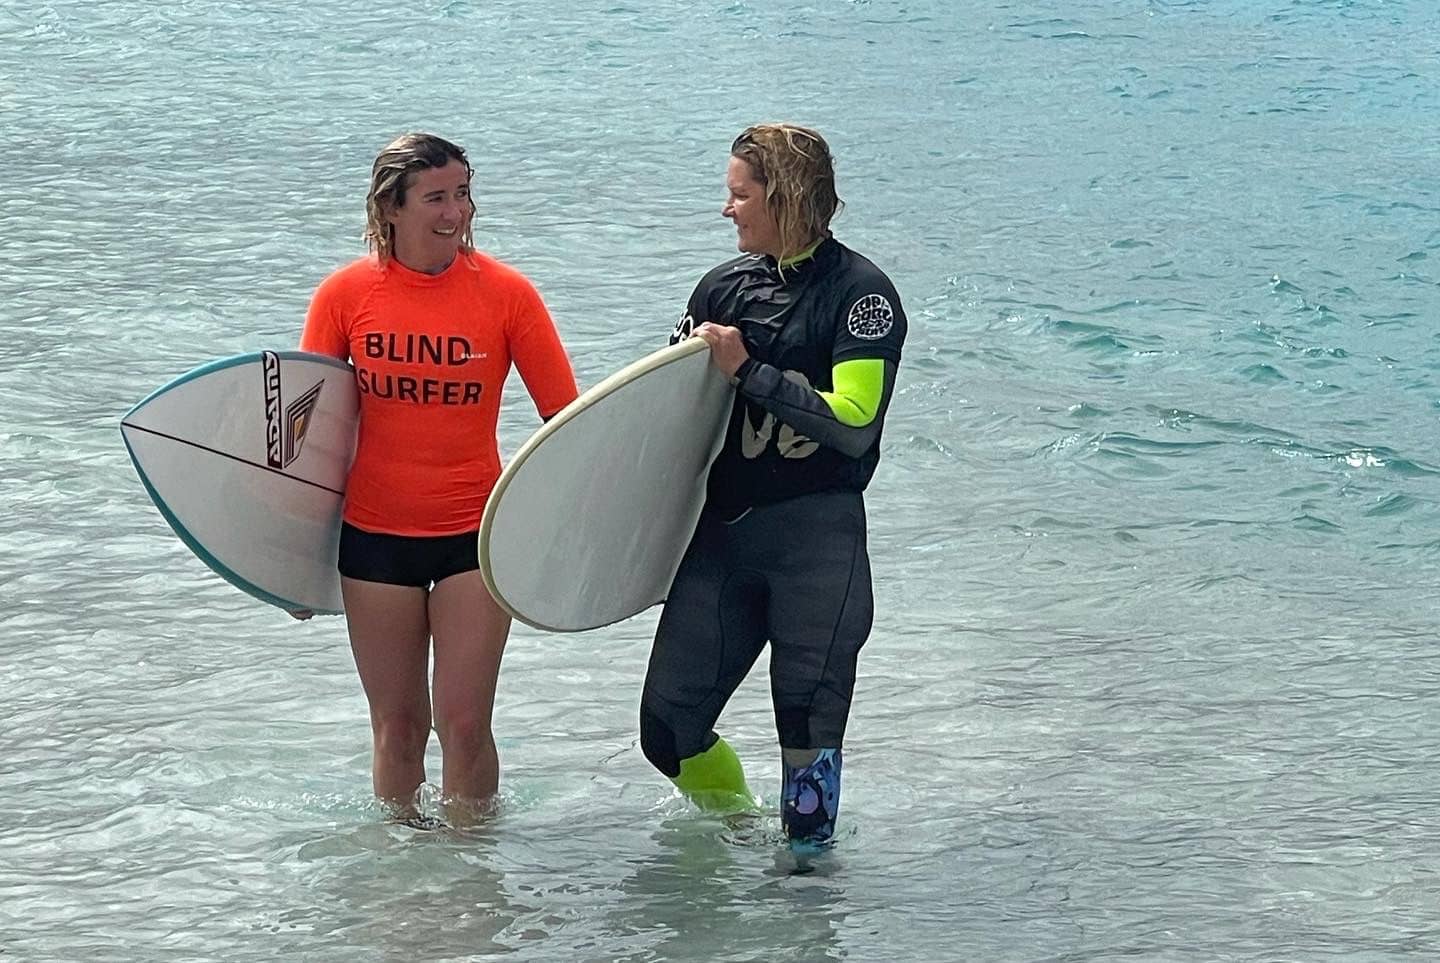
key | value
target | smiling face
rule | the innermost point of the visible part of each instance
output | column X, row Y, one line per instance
column 788, row 169
column 432, row 217
column 755, row 226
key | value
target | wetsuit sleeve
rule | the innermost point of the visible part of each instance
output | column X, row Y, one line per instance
column 874, row 323
column 859, row 389
column 810, row 412
column 538, row 353
column 325, row 329
column 865, row 357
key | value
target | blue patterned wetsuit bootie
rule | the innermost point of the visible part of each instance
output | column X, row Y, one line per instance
column 810, row 800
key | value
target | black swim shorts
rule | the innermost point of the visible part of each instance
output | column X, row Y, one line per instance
column 404, row 559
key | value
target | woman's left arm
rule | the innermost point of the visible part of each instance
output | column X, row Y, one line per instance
column 865, row 354
column 846, row 418
column 540, row 356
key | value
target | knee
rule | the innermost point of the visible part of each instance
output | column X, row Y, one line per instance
column 657, row 742
column 466, row 733
column 401, row 735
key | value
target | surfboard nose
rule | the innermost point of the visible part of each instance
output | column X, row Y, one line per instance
column 587, row 524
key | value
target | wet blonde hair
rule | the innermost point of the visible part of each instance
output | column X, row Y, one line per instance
column 392, row 175
column 798, row 173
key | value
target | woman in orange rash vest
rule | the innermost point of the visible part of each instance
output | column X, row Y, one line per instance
column 432, row 327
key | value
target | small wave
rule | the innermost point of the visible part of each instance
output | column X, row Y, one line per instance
column 1392, row 505
column 1361, row 457
column 1126, row 443
column 1104, row 343
column 1315, row 523
column 1244, row 431
column 1206, row 582
column 1280, row 286
column 1121, row 455
column 1263, row 374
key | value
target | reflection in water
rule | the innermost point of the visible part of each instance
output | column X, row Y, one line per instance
column 710, row 887
column 407, row 894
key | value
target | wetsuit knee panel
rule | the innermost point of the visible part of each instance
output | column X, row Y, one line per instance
column 793, row 725
column 657, row 742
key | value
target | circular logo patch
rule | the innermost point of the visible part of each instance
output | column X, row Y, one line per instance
column 871, row 317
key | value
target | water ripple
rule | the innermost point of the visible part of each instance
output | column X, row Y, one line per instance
column 1155, row 532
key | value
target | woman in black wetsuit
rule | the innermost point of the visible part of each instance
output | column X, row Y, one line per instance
column 810, row 332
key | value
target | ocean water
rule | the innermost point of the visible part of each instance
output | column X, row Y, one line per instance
column 1156, row 533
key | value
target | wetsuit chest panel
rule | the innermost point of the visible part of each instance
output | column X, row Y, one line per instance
column 802, row 321
column 786, row 323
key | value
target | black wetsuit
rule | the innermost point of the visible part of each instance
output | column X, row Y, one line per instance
column 779, row 554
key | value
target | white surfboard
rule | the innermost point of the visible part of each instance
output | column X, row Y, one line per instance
column 246, row 458
column 587, row 524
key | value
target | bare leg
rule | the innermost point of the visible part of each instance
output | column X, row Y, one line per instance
column 390, row 639
column 470, row 632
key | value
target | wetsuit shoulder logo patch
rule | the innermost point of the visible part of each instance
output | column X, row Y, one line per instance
column 871, row 317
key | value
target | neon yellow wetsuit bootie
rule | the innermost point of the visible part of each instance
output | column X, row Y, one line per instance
column 714, row 780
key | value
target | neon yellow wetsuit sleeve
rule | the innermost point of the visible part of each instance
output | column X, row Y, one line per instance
column 846, row 418
column 859, row 388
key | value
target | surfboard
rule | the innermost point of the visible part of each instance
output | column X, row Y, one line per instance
column 246, row 459
column 587, row 523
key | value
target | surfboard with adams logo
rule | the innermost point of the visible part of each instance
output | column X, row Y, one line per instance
column 246, row 458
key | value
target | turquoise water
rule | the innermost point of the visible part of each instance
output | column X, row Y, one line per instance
column 1156, row 533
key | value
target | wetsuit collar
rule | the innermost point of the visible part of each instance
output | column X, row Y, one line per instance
column 793, row 260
